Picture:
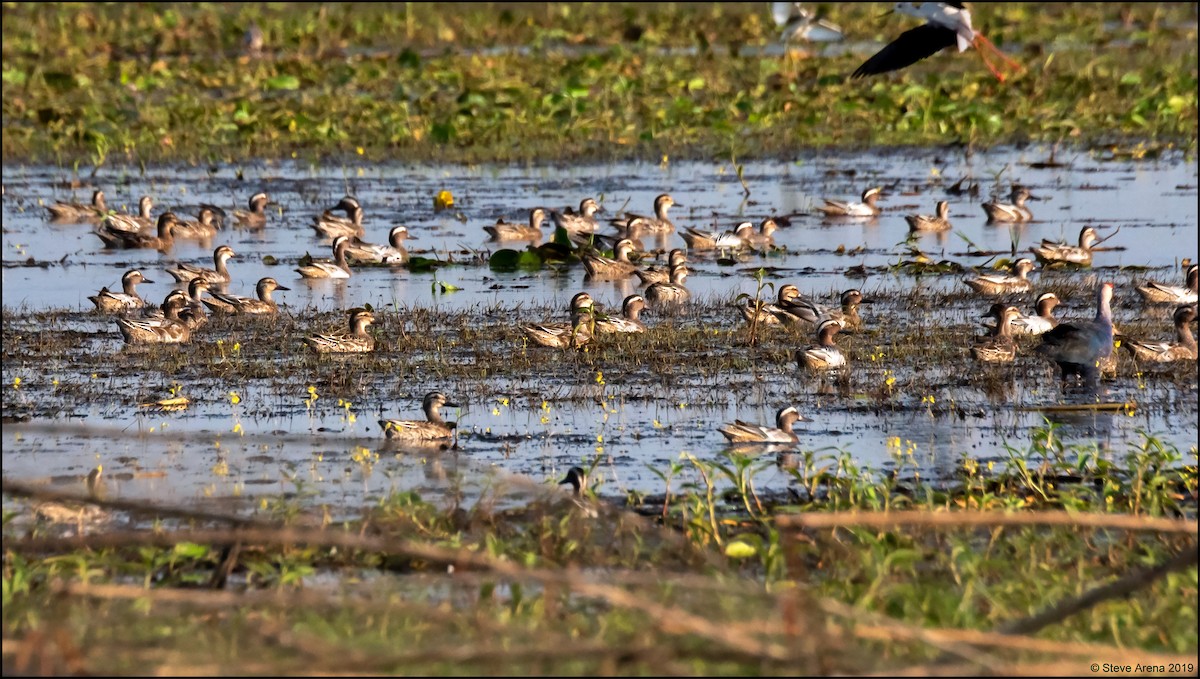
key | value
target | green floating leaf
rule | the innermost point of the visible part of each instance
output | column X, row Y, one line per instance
column 554, row 252
column 283, row 82
column 445, row 287
column 423, row 264
column 740, row 550
column 270, row 260
column 511, row 260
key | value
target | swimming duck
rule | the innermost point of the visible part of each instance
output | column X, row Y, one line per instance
column 205, row 225
column 577, row 478
column 825, row 355
column 628, row 321
column 999, row 346
column 330, row 225
column 432, row 429
column 392, row 253
column 503, row 230
column 1051, row 251
column 652, row 275
column 1078, row 348
column 1160, row 293
column 940, row 222
column 668, row 294
column 1014, row 212
column 745, row 432
column 618, row 266
column 166, row 330
column 583, row 221
column 566, row 335
column 338, row 267
column 234, row 304
column 1183, row 349
column 118, row 222
column 992, row 284
column 120, row 302
column 356, row 341
column 1042, row 321
column 256, row 218
column 184, row 273
column 659, row 223
column 867, row 208
column 76, row 212
column 117, row 238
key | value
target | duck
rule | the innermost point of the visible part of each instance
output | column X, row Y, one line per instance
column 1014, row 212
column 234, row 304
column 867, row 208
column 577, row 478
column 169, row 329
column 993, row 284
column 773, row 314
column 434, row 428
column 617, row 266
column 80, row 514
column 999, row 346
column 718, row 240
column 1042, row 321
column 337, row 267
column 628, row 321
column 825, row 355
column 1183, row 349
column 330, row 225
column 1078, row 348
column 256, row 217
column 184, row 273
column 117, row 238
column 76, row 212
column 672, row 293
column 205, row 225
column 121, row 302
column 926, row 223
column 193, row 313
column 1161, row 293
column 118, row 222
column 503, row 230
column 1050, row 251
column 575, row 334
column 356, row 341
column 659, row 223
column 805, row 310
column 652, row 275
column 745, row 432
column 583, row 221
column 392, row 253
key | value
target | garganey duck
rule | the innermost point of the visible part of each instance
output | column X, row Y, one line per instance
column 672, row 293
column 993, row 284
column 652, row 275
column 119, row 222
column 1010, row 212
column 76, row 212
column 337, row 267
column 938, row 222
column 235, row 304
column 392, row 253
column 121, row 302
column 503, row 230
column 628, row 321
column 1050, row 251
column 617, row 266
column 256, row 217
column 356, row 341
column 999, row 346
column 825, row 355
column 583, row 221
column 566, row 335
column 330, row 225
column 745, row 432
column 659, row 223
column 867, row 208
column 432, row 429
column 169, row 329
column 184, row 273
column 1042, row 321
column 773, row 314
column 1079, row 348
column 205, row 225
column 1183, row 349
column 806, row 310
column 577, row 478
column 118, row 238
column 80, row 514
column 718, row 240
column 1161, row 293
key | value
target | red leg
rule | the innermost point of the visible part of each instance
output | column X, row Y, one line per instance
column 996, row 50
column 983, row 57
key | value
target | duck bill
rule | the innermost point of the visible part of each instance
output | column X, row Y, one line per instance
column 280, row 287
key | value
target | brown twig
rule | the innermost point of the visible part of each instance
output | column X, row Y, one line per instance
column 948, row 518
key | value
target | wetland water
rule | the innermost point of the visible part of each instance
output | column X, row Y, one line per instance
column 903, row 398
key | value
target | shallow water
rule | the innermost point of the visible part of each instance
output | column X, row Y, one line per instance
column 560, row 417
